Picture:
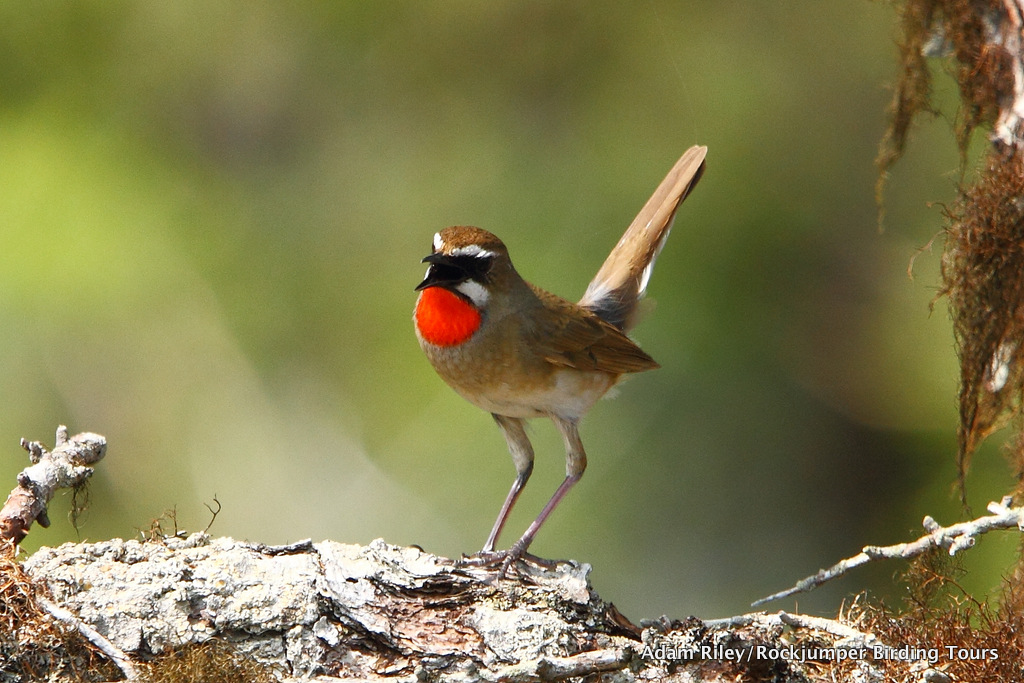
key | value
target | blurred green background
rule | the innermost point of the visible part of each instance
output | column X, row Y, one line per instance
column 212, row 220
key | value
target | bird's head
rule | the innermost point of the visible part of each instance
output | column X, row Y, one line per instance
column 468, row 268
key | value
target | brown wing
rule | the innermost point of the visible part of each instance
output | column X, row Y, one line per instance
column 586, row 342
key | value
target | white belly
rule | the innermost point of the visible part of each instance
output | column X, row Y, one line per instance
column 568, row 394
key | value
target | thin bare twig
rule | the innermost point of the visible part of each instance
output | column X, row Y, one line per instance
column 955, row 537
column 851, row 636
column 113, row 652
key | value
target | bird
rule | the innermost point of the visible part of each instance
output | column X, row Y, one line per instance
column 520, row 352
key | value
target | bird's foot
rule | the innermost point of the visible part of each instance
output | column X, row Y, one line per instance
column 506, row 559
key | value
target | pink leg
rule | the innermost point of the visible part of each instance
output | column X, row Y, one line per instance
column 518, row 548
column 575, row 464
column 506, row 508
column 519, row 447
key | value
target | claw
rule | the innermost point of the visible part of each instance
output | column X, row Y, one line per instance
column 515, row 556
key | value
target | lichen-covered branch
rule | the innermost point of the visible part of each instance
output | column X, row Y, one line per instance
column 328, row 611
column 66, row 466
column 955, row 538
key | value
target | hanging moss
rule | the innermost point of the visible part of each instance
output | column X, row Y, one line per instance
column 983, row 276
column 960, row 31
column 983, row 262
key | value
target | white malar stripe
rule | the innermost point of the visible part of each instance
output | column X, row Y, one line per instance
column 472, row 250
column 438, row 242
column 475, row 291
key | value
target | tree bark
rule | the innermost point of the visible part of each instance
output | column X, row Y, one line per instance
column 329, row 611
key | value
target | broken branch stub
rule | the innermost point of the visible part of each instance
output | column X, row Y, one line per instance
column 68, row 465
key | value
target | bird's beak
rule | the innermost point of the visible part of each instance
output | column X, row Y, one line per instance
column 439, row 272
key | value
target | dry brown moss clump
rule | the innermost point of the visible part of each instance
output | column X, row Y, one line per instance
column 211, row 662
column 970, row 640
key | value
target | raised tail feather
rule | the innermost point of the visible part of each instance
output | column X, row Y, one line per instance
column 617, row 288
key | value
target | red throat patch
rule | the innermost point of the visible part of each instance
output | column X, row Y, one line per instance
column 445, row 319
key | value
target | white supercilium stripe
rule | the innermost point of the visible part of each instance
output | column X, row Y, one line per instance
column 472, row 250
